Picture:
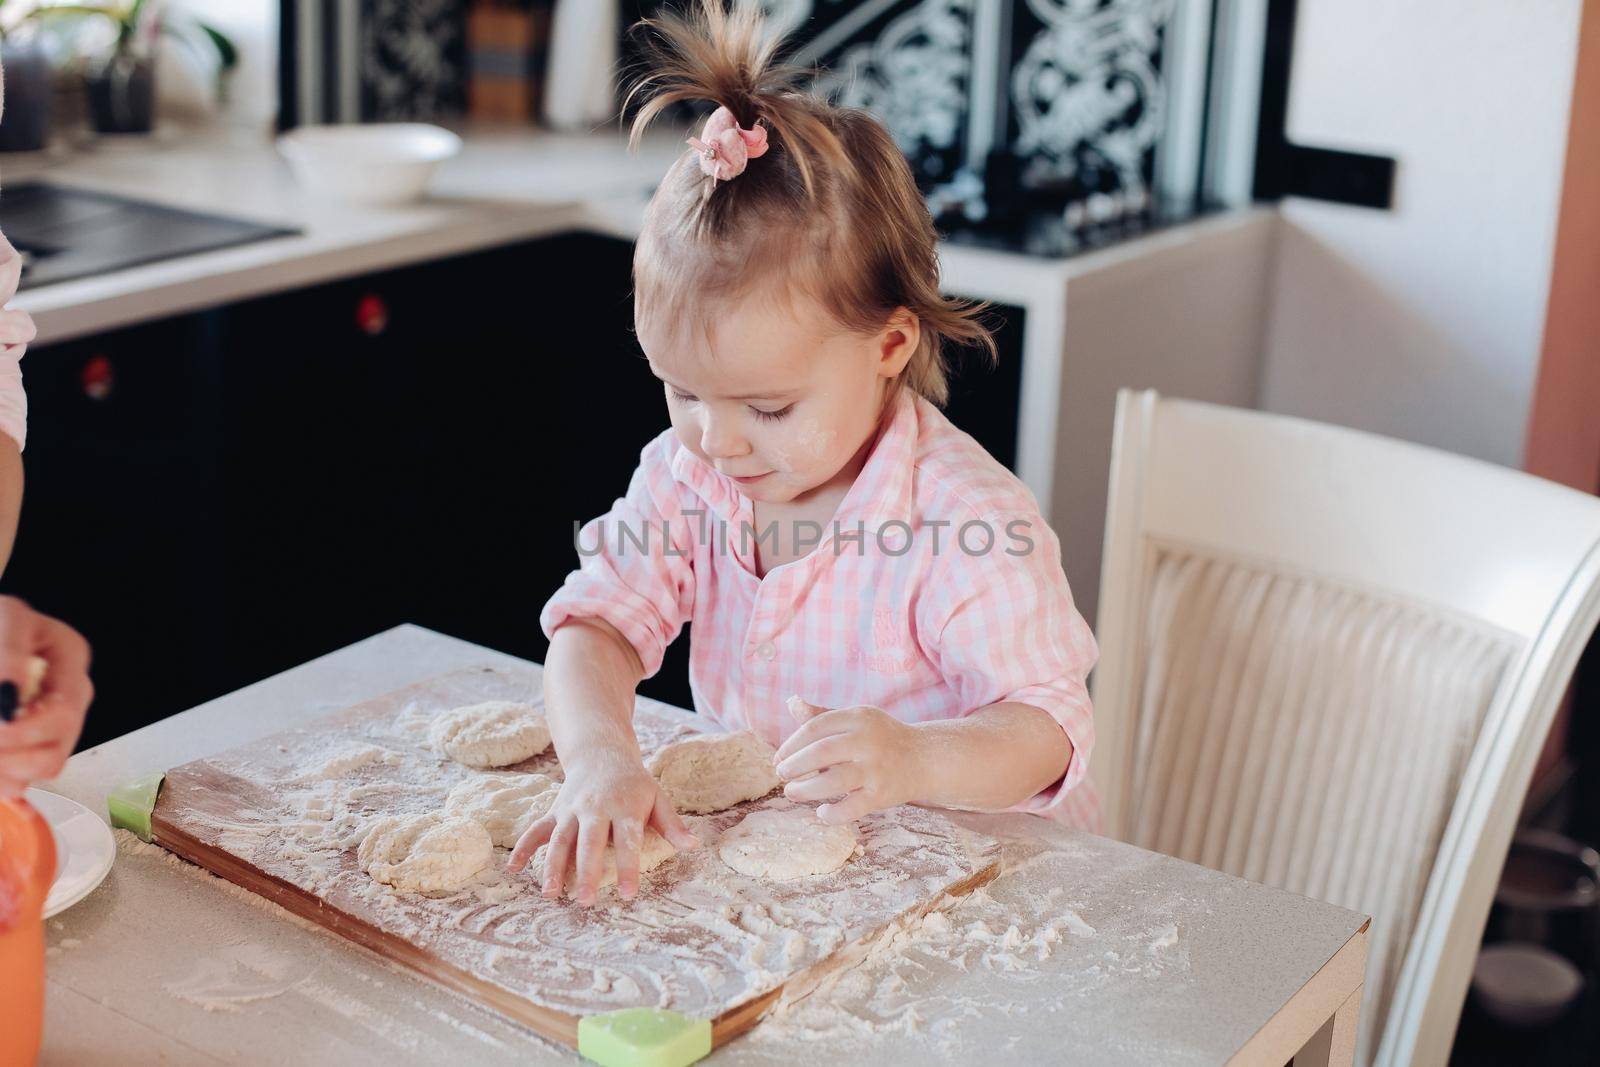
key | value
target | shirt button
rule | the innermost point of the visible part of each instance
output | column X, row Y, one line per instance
column 767, row 650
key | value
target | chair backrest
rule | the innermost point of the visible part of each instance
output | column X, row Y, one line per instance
column 1328, row 662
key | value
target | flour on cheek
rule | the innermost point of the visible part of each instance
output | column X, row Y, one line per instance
column 806, row 452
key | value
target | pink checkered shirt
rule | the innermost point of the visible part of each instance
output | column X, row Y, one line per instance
column 933, row 629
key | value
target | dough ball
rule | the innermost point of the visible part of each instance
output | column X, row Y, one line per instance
column 430, row 853
column 654, row 850
column 715, row 771
column 504, row 804
column 493, row 734
column 790, row 843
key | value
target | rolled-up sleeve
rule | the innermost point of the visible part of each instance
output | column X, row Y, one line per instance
column 1008, row 631
column 636, row 568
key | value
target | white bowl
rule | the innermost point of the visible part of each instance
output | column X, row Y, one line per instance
column 379, row 163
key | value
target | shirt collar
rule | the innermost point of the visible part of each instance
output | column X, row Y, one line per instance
column 881, row 492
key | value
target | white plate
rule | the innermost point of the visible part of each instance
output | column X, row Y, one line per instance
column 85, row 849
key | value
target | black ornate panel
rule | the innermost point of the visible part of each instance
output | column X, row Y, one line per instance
column 1075, row 100
column 413, row 59
column 910, row 64
column 1086, row 97
column 908, row 61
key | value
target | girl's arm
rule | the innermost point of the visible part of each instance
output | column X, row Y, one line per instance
column 862, row 759
column 609, row 625
column 608, row 797
column 589, row 681
column 997, row 757
column 1002, row 630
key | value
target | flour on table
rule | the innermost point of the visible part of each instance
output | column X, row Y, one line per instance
column 505, row 804
column 354, row 759
column 427, row 853
column 496, row 733
column 786, row 843
column 715, row 771
column 699, row 938
column 653, row 851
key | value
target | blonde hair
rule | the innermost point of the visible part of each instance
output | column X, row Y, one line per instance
column 831, row 210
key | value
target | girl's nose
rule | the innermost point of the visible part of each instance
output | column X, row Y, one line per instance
column 719, row 440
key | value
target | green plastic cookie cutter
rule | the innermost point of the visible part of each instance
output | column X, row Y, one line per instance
column 132, row 803
column 643, row 1037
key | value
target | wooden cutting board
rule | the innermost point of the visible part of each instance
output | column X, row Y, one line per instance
column 281, row 816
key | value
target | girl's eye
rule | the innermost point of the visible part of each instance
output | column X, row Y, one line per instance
column 682, row 398
column 772, row 416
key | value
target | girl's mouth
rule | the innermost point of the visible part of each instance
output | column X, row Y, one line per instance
column 748, row 479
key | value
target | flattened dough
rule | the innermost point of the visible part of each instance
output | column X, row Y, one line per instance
column 429, row 853
column 715, row 771
column 784, row 844
column 496, row 733
column 505, row 804
column 654, row 850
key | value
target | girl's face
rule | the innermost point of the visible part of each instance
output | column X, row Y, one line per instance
column 779, row 399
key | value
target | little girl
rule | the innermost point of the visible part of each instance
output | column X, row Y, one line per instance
column 827, row 530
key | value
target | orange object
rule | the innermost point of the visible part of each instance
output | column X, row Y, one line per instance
column 27, row 868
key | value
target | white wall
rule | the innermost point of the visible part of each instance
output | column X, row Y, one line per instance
column 1424, row 322
column 253, row 26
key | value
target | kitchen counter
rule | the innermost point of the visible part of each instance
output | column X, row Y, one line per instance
column 505, row 186
column 1152, row 961
column 1180, row 309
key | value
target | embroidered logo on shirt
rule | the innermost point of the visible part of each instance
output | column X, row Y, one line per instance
column 890, row 653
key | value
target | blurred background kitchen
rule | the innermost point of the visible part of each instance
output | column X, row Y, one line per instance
column 292, row 387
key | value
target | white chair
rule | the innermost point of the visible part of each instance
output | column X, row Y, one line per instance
column 1329, row 662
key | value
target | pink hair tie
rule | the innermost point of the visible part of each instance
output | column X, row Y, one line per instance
column 725, row 147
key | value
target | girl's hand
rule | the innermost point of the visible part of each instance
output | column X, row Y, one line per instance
column 860, row 759
column 35, row 746
column 607, row 795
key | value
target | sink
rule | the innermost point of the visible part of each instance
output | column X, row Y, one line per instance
column 63, row 233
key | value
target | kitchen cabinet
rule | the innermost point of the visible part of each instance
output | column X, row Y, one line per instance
column 120, row 532
column 217, row 497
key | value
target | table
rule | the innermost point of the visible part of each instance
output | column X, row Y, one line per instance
column 1109, row 954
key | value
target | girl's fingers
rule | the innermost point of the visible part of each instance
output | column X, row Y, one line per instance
column 557, row 856
column 823, row 725
column 802, row 712
column 670, row 825
column 529, row 843
column 626, row 840
column 593, row 834
column 836, row 781
column 847, row 810
column 818, row 756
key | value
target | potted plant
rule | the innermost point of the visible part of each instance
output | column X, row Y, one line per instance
column 121, row 84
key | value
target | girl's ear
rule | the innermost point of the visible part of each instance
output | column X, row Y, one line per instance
column 898, row 341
